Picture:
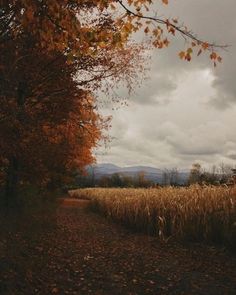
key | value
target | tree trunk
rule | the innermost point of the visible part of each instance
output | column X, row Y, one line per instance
column 12, row 180
column 12, row 177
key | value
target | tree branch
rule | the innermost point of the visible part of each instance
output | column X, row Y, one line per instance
column 185, row 33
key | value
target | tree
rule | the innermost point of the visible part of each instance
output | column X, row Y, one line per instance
column 195, row 174
column 116, row 180
column 174, row 177
column 36, row 105
column 225, row 172
column 170, row 177
column 165, row 177
column 49, row 124
column 141, row 180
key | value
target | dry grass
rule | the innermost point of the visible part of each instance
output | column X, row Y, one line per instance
column 195, row 213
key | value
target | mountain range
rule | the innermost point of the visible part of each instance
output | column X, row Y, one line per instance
column 151, row 173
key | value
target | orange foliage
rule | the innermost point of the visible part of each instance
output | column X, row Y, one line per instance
column 48, row 123
column 86, row 27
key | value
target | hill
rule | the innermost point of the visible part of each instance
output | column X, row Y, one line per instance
column 154, row 174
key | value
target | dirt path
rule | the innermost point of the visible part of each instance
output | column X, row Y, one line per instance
column 78, row 252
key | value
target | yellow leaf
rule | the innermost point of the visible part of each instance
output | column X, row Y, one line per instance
column 189, row 51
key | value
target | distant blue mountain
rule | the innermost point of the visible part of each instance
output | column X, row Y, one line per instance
column 151, row 173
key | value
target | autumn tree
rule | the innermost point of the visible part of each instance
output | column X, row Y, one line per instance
column 48, row 123
column 49, row 118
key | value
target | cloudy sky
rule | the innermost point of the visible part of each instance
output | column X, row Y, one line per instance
column 184, row 112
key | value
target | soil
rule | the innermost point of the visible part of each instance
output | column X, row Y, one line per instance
column 74, row 251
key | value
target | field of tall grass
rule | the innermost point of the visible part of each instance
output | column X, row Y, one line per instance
column 193, row 213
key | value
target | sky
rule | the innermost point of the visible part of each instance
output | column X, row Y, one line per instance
column 184, row 112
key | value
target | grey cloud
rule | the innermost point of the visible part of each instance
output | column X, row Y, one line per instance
column 232, row 156
column 197, row 151
column 156, row 90
column 225, row 85
column 222, row 101
column 212, row 20
column 178, row 117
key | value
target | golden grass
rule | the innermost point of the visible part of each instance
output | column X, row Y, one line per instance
column 194, row 213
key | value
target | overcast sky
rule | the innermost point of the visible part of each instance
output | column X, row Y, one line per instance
column 184, row 112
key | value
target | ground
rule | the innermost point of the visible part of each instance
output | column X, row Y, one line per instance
column 74, row 251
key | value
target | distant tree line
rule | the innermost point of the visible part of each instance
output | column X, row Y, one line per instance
column 171, row 177
column 216, row 175
column 115, row 180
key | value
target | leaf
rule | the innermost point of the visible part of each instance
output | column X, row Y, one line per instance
column 166, row 42
column 188, row 57
column 171, row 30
column 190, row 50
column 205, row 45
column 55, row 290
column 213, row 55
column 182, row 54
column 146, row 30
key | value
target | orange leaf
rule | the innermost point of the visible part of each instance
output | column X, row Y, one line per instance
column 146, row 30
column 205, row 45
column 213, row 55
column 182, row 54
column 188, row 57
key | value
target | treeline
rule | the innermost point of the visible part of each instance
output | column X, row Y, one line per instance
column 216, row 175
column 115, row 180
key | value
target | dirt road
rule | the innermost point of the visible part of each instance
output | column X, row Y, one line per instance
column 74, row 251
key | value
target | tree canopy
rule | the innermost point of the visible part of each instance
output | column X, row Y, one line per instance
column 49, row 125
column 87, row 27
